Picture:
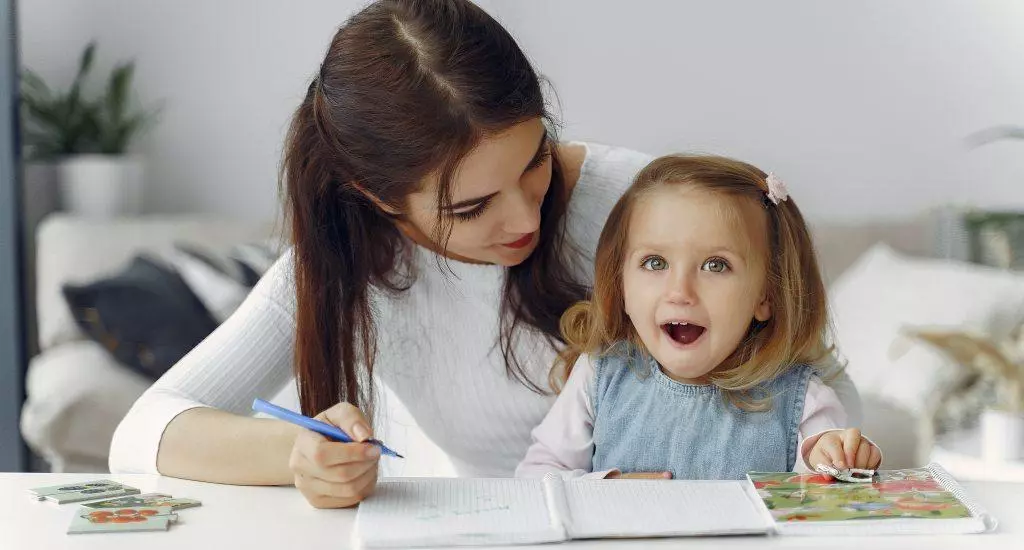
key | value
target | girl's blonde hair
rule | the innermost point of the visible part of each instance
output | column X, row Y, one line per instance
column 798, row 331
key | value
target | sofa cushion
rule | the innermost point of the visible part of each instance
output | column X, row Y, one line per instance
column 886, row 292
column 145, row 316
column 75, row 395
column 71, row 249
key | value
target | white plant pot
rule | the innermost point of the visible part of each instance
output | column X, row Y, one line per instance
column 101, row 186
column 1002, row 435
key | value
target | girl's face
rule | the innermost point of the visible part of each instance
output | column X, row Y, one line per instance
column 694, row 276
column 496, row 198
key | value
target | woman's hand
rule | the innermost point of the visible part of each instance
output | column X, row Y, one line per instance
column 639, row 475
column 332, row 474
column 844, row 449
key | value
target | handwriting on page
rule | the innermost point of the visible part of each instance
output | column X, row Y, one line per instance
column 452, row 510
column 480, row 504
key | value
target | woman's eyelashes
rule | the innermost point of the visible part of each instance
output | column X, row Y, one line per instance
column 540, row 159
column 479, row 210
column 474, row 213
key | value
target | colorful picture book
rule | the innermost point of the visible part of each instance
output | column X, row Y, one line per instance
column 920, row 500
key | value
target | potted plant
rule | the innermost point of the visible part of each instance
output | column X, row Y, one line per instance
column 88, row 138
column 1002, row 422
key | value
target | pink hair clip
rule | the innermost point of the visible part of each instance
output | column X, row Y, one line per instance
column 777, row 191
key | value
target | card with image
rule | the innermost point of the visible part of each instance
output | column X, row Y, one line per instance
column 111, row 520
column 149, row 500
column 80, row 492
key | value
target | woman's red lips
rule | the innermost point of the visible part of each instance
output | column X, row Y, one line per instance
column 522, row 242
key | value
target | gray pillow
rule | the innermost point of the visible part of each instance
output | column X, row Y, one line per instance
column 146, row 315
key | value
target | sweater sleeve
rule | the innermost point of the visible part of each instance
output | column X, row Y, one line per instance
column 564, row 442
column 605, row 175
column 250, row 355
column 823, row 412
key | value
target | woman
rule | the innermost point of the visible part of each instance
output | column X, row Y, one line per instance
column 439, row 232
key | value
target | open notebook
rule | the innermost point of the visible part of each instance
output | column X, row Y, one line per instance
column 451, row 511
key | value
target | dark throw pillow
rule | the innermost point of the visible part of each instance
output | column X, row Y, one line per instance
column 146, row 315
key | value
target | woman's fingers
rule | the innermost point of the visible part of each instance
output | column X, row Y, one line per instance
column 325, row 453
column 331, row 474
column 340, row 473
column 355, row 489
column 324, row 494
column 350, row 419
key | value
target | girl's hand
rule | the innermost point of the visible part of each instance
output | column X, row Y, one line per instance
column 844, row 449
column 640, row 475
column 331, row 474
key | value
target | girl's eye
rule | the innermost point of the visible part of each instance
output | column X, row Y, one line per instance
column 472, row 214
column 715, row 265
column 654, row 263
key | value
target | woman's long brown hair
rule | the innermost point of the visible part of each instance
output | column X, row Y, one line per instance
column 406, row 89
column 798, row 331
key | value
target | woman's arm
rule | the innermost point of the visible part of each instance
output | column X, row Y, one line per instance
column 194, row 422
column 207, row 444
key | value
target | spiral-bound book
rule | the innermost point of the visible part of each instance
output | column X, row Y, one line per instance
column 913, row 501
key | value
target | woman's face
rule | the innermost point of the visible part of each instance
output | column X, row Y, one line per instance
column 496, row 196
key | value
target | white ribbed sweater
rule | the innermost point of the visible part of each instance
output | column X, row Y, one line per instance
column 436, row 349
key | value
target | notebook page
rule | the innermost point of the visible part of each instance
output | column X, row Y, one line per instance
column 649, row 508
column 406, row 512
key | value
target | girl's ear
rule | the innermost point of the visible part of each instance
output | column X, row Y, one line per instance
column 763, row 311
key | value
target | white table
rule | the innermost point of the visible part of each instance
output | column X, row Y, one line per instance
column 278, row 518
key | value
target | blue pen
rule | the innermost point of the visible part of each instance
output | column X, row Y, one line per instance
column 317, row 426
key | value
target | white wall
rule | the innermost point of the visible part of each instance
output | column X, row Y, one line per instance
column 861, row 106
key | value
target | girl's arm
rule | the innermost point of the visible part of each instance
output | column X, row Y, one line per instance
column 823, row 412
column 195, row 421
column 564, row 440
column 835, row 376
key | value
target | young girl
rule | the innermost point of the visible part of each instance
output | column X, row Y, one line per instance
column 700, row 351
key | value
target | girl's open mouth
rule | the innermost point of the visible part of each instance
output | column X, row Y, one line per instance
column 683, row 333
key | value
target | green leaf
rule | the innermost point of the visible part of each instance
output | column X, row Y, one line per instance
column 63, row 123
column 84, row 66
column 33, row 86
column 118, row 91
column 996, row 133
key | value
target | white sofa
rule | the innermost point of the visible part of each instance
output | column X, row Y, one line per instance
column 77, row 393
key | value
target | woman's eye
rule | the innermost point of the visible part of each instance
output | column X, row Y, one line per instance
column 654, row 263
column 472, row 214
column 715, row 265
column 540, row 159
